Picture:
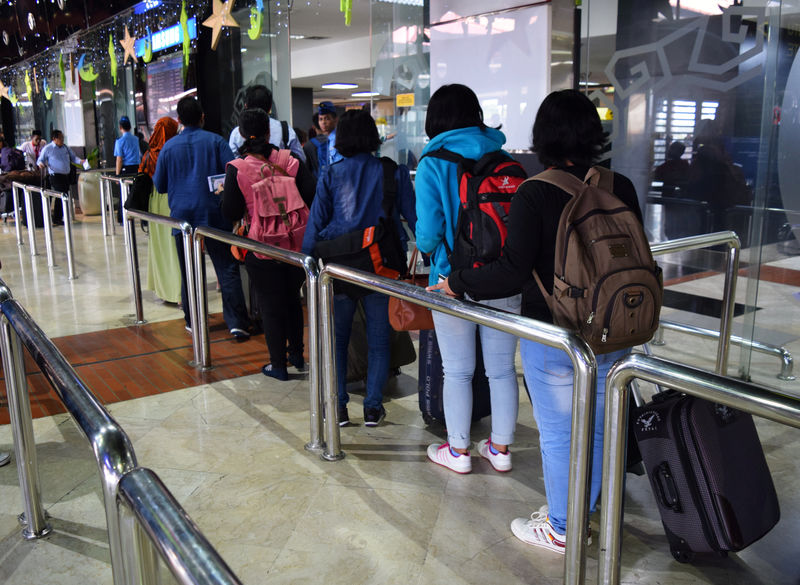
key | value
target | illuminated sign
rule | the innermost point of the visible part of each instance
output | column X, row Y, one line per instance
column 169, row 37
column 143, row 7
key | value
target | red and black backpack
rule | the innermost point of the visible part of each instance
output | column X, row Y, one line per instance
column 485, row 188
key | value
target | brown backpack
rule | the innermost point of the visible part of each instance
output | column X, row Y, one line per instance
column 606, row 284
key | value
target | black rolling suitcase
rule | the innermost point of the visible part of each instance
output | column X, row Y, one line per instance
column 431, row 381
column 708, row 473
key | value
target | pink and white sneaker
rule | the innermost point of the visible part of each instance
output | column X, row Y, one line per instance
column 443, row 455
column 500, row 461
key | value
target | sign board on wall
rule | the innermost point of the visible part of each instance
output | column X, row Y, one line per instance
column 405, row 100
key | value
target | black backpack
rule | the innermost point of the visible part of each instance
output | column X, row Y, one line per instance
column 485, row 188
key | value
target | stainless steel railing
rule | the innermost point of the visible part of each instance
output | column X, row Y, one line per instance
column 698, row 242
column 584, row 386
column 169, row 530
column 185, row 228
column 68, row 213
column 309, row 265
column 746, row 397
column 107, row 200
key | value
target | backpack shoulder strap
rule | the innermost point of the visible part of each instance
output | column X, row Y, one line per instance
column 447, row 155
column 285, row 133
column 389, row 185
column 601, row 178
column 561, row 179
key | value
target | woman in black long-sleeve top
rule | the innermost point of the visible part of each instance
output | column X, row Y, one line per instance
column 276, row 284
column 567, row 135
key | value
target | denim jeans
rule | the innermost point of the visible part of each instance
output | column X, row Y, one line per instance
column 234, row 309
column 457, row 345
column 376, row 310
column 549, row 373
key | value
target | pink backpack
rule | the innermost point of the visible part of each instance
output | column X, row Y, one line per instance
column 278, row 214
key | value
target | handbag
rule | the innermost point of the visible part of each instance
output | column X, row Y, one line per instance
column 139, row 192
column 405, row 315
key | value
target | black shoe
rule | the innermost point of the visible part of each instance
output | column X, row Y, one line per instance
column 240, row 334
column 298, row 361
column 373, row 416
column 344, row 418
column 275, row 372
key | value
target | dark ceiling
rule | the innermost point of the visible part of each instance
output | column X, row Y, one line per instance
column 52, row 24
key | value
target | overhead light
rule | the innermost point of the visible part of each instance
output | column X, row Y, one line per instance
column 365, row 94
column 339, row 85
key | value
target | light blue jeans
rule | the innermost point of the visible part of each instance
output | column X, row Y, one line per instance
column 549, row 373
column 456, row 339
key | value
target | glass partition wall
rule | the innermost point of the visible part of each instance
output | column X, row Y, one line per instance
column 701, row 102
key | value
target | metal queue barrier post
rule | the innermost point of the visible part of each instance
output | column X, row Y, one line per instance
column 309, row 266
column 133, row 265
column 15, row 188
column 730, row 239
column 107, row 203
column 143, row 519
column 757, row 400
column 30, row 218
column 583, row 400
column 66, row 207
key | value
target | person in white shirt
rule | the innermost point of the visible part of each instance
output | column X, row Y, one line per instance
column 280, row 133
column 31, row 149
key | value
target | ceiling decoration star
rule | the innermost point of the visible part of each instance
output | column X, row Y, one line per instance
column 4, row 91
column 220, row 17
column 128, row 45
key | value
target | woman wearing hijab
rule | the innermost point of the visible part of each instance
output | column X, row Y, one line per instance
column 163, row 272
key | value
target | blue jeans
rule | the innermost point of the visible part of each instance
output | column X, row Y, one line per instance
column 549, row 374
column 234, row 309
column 376, row 310
column 456, row 339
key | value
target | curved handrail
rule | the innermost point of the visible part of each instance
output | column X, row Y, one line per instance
column 192, row 559
column 737, row 394
column 730, row 239
column 583, row 399
column 310, row 267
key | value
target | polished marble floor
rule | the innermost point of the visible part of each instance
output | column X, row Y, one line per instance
column 231, row 451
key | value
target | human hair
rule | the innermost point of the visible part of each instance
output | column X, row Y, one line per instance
column 302, row 137
column 36, row 133
column 258, row 96
column 356, row 133
column 453, row 106
column 254, row 128
column 125, row 123
column 567, row 128
column 675, row 150
column 190, row 112
column 56, row 134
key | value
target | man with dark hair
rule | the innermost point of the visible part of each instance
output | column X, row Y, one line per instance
column 320, row 150
column 57, row 158
column 31, row 149
column 182, row 172
column 126, row 149
column 280, row 133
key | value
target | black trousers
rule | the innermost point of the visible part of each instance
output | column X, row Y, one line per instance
column 277, row 289
column 58, row 182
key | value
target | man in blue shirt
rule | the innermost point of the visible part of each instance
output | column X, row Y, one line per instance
column 57, row 158
column 182, row 171
column 321, row 150
column 126, row 149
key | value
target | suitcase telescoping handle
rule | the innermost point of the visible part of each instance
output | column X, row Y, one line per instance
column 665, row 489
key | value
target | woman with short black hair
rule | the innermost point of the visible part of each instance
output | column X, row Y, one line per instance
column 455, row 122
column 350, row 198
column 567, row 135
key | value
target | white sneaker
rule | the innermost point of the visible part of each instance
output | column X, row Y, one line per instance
column 441, row 454
column 538, row 531
column 500, row 461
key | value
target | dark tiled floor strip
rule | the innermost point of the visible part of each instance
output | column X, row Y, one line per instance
column 120, row 364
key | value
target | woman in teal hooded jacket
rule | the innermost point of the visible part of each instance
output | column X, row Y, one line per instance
column 455, row 122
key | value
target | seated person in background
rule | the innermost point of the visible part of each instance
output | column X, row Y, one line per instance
column 674, row 172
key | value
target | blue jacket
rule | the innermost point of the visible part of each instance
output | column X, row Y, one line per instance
column 184, row 165
column 349, row 197
column 437, row 190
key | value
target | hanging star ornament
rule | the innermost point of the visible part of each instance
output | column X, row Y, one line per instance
column 220, row 17
column 35, row 81
column 4, row 91
column 128, row 45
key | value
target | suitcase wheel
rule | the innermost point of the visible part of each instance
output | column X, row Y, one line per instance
column 682, row 555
